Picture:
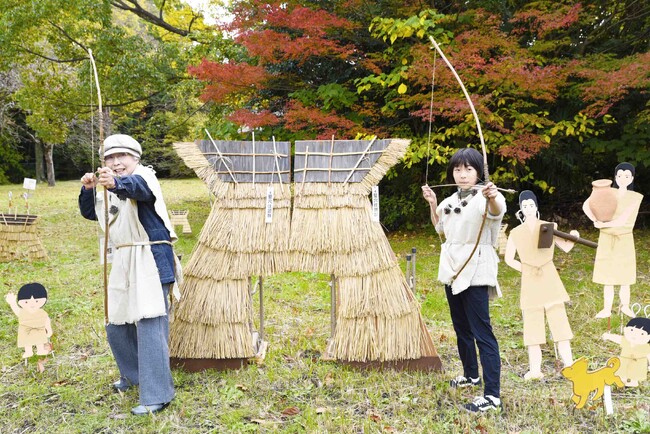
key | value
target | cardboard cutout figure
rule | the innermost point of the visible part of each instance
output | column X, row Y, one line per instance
column 585, row 382
column 542, row 291
column 615, row 262
column 34, row 327
column 635, row 351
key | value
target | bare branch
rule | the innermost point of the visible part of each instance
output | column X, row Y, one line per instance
column 68, row 37
column 194, row 18
column 134, row 7
column 52, row 59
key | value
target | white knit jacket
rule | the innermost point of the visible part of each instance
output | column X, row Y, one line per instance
column 460, row 226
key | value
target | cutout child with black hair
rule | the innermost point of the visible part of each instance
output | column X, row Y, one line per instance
column 542, row 291
column 34, row 326
column 615, row 262
column 635, row 351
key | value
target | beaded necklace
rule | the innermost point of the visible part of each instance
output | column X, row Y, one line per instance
column 463, row 200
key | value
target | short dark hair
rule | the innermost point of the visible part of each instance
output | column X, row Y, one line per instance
column 527, row 195
column 465, row 157
column 30, row 290
column 640, row 323
column 624, row 166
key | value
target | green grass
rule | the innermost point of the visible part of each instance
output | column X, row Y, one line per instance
column 293, row 391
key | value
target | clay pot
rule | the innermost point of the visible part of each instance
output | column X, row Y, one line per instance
column 603, row 201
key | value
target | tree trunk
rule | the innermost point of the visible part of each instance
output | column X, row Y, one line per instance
column 49, row 163
column 39, row 167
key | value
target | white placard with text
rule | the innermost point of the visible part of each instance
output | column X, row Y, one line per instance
column 269, row 205
column 29, row 184
column 375, row 203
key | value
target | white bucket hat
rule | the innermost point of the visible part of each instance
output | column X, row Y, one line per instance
column 121, row 143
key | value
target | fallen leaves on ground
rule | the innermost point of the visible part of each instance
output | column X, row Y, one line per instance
column 290, row 411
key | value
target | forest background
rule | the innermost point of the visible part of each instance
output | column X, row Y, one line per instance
column 561, row 87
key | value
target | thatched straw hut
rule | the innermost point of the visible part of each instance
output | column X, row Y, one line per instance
column 331, row 230
column 19, row 238
column 242, row 237
column 179, row 218
column 377, row 318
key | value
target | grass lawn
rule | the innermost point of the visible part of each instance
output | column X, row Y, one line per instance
column 293, row 391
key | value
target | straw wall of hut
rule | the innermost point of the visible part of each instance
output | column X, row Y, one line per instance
column 377, row 318
column 19, row 238
column 214, row 316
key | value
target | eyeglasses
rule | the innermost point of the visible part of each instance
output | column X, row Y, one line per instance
column 109, row 159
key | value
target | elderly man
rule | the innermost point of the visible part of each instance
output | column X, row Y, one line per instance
column 143, row 269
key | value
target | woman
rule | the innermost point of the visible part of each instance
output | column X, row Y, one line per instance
column 144, row 267
column 469, row 271
column 542, row 291
column 615, row 262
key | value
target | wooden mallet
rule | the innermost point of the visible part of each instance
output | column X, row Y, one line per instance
column 547, row 231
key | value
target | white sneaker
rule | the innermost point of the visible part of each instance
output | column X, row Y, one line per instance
column 483, row 403
column 461, row 381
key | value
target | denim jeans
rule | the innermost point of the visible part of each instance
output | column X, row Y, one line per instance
column 141, row 352
column 470, row 315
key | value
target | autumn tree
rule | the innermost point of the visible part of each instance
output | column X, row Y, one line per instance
column 142, row 50
column 551, row 82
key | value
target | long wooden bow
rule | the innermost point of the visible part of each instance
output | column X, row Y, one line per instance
column 102, row 163
column 486, row 173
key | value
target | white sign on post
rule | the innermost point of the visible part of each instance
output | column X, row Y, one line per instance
column 269, row 205
column 375, row 203
column 29, row 184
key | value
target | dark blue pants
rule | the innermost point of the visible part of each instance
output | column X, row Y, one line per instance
column 470, row 315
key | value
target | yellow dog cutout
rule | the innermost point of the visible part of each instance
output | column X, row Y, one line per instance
column 585, row 382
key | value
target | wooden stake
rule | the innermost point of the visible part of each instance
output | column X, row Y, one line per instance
column 253, row 134
column 372, row 142
column 277, row 164
column 329, row 172
column 220, row 156
column 333, row 305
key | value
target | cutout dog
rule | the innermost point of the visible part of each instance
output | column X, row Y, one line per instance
column 585, row 382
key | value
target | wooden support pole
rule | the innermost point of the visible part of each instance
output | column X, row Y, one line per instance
column 413, row 255
column 261, row 291
column 409, row 269
column 333, row 305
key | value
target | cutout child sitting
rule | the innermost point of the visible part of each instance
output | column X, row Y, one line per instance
column 34, row 327
column 542, row 291
column 635, row 351
column 615, row 262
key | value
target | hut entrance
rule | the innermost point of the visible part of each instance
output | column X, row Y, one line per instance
column 262, row 224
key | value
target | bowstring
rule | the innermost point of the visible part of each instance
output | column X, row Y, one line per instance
column 433, row 84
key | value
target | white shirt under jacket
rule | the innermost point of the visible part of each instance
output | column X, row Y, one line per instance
column 460, row 230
